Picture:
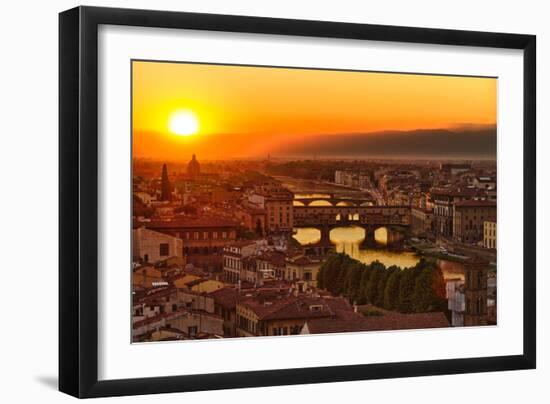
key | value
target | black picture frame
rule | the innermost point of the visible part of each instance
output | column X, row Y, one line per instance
column 78, row 200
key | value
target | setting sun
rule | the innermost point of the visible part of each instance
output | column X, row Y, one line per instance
column 184, row 123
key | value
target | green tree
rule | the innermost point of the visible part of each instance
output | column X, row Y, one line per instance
column 341, row 275
column 391, row 292
column 406, row 290
column 371, row 290
column 353, row 281
column 330, row 272
column 321, row 277
column 381, row 287
column 362, row 298
column 332, row 275
column 429, row 289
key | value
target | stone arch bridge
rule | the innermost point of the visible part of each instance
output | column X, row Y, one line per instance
column 370, row 218
column 334, row 200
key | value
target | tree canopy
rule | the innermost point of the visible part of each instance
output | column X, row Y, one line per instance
column 416, row 289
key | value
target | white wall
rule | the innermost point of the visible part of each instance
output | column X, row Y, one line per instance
column 28, row 167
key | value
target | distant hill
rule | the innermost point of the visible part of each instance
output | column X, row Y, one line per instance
column 423, row 143
column 466, row 142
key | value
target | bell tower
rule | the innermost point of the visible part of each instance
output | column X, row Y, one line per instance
column 475, row 292
column 193, row 168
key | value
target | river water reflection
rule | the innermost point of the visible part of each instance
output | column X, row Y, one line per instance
column 348, row 240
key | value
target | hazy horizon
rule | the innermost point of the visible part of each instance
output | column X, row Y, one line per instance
column 435, row 144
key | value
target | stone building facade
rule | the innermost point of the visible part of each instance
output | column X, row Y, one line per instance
column 490, row 233
column 152, row 246
column 469, row 220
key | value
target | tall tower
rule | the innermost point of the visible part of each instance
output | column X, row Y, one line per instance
column 193, row 168
column 475, row 292
column 166, row 190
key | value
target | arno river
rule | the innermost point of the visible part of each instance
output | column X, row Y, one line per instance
column 348, row 240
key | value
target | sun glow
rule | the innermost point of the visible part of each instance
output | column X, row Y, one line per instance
column 184, row 123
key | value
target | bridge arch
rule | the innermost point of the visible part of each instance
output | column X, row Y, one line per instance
column 345, row 203
column 320, row 202
column 308, row 235
column 381, row 234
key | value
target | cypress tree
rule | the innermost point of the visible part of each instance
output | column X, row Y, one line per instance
column 362, row 299
column 166, row 190
column 353, row 281
column 391, row 292
column 406, row 290
column 372, row 284
column 321, row 277
column 429, row 289
column 381, row 287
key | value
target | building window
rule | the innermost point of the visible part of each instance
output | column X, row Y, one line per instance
column 192, row 331
column 164, row 249
column 278, row 331
column 196, row 235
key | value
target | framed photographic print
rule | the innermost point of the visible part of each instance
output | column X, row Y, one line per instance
column 250, row 201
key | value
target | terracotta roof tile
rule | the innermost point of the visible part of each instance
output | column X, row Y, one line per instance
column 226, row 297
column 474, row 203
column 345, row 322
column 191, row 222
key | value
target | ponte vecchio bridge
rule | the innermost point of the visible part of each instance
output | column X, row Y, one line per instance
column 370, row 218
column 335, row 200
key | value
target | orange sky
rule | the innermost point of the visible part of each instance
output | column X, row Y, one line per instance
column 251, row 111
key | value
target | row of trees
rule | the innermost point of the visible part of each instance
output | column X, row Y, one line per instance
column 417, row 289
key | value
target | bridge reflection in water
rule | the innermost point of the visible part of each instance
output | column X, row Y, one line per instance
column 349, row 239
